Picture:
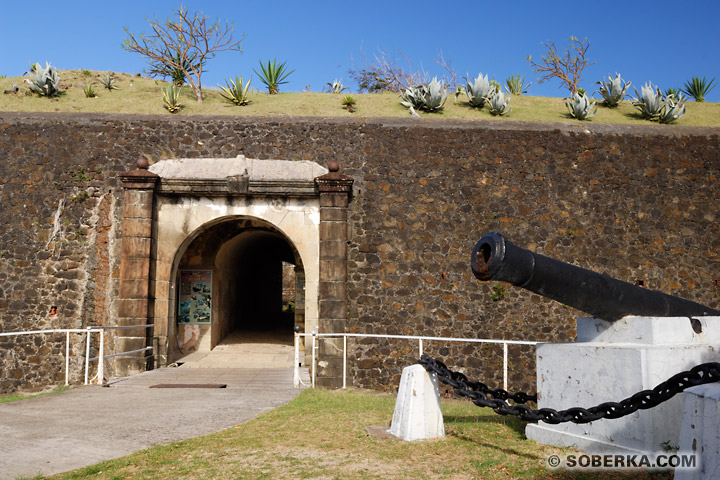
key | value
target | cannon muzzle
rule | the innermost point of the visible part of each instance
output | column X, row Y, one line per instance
column 601, row 296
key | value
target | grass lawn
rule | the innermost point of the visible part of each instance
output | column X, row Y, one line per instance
column 16, row 396
column 142, row 95
column 321, row 435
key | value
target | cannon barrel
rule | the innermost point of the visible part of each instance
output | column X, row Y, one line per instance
column 601, row 296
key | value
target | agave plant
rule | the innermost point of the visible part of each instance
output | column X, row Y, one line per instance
column 698, row 87
column 348, row 103
column 273, row 75
column 675, row 92
column 413, row 96
column 649, row 101
column 459, row 90
column 479, row 91
column 580, row 106
column 89, row 90
column 613, row 92
column 109, row 82
column 430, row 97
column 236, row 91
column 171, row 98
column 497, row 103
column 673, row 109
column 335, row 86
column 436, row 95
column 44, row 81
column 515, row 84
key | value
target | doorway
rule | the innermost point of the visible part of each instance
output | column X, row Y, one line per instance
column 255, row 297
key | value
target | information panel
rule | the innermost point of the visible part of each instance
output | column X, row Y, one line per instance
column 195, row 298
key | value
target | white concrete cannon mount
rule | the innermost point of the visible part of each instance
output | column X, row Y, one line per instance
column 612, row 361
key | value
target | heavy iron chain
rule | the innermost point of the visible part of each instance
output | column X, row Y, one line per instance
column 480, row 395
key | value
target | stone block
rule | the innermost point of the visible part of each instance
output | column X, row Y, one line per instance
column 133, row 332
column 417, row 414
column 332, row 308
column 137, row 211
column 136, row 247
column 134, row 288
column 333, row 214
column 139, row 197
column 700, row 432
column 160, row 289
column 329, row 366
column 159, row 307
column 333, row 250
column 127, row 344
column 125, row 366
column 137, row 227
column 332, row 325
column 333, row 231
column 133, row 308
column 645, row 330
column 134, row 268
column 586, row 374
column 333, row 271
column 331, row 383
column 332, row 290
column 333, row 199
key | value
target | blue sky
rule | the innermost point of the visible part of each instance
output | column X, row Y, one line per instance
column 659, row 41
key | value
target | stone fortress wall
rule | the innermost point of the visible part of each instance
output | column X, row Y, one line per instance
column 639, row 203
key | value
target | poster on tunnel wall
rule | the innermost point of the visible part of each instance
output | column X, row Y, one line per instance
column 195, row 297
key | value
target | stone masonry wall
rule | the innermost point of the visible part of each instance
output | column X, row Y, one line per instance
column 634, row 202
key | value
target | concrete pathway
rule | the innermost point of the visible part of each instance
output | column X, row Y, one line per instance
column 60, row 432
column 246, row 350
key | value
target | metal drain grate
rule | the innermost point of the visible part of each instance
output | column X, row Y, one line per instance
column 190, row 385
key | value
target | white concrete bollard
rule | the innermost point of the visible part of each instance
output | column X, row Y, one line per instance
column 417, row 414
column 700, row 432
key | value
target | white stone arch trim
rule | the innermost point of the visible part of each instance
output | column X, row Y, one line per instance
column 180, row 219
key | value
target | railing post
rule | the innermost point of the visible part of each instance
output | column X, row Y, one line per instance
column 505, row 366
column 344, row 361
column 101, row 359
column 296, row 364
column 314, row 334
column 420, row 346
column 67, row 357
column 87, row 354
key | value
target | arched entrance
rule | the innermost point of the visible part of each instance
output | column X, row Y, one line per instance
column 219, row 214
column 239, row 280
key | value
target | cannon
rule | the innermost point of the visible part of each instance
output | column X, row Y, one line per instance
column 494, row 258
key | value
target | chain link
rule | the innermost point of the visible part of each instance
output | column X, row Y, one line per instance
column 483, row 396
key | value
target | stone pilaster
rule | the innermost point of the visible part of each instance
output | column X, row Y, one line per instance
column 134, row 294
column 334, row 189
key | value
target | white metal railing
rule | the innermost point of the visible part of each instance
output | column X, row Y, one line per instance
column 87, row 331
column 316, row 336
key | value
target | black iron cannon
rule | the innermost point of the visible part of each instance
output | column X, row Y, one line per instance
column 601, row 296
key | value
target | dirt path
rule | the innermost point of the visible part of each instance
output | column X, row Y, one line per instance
column 60, row 432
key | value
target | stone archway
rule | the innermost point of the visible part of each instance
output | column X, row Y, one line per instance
column 239, row 263
column 169, row 205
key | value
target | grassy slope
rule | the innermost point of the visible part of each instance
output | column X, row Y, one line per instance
column 321, row 435
column 143, row 96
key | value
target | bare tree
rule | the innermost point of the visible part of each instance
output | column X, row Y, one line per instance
column 386, row 73
column 183, row 44
column 449, row 67
column 566, row 68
